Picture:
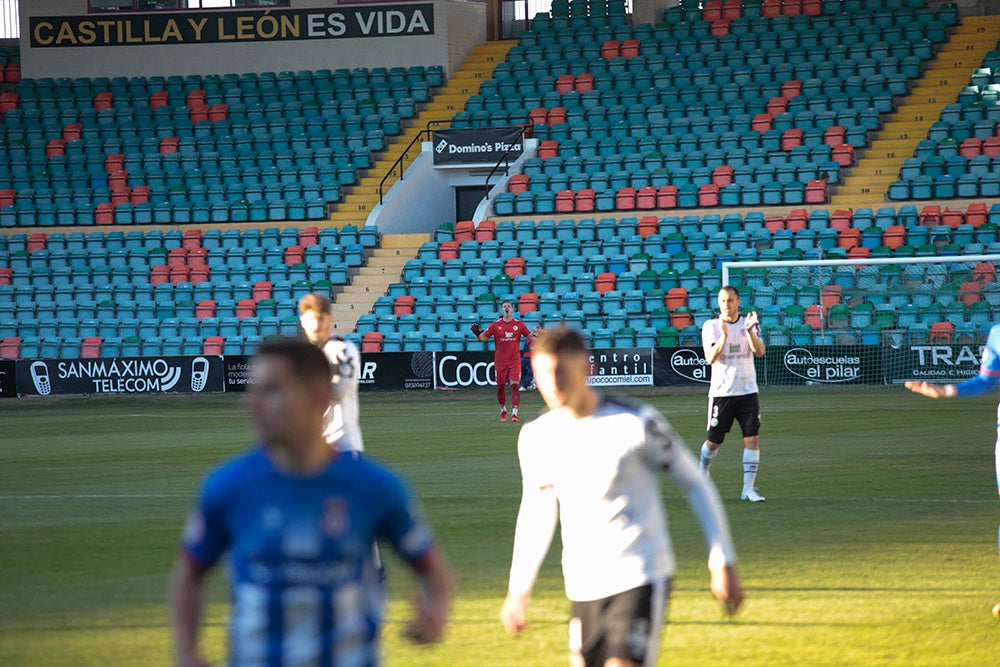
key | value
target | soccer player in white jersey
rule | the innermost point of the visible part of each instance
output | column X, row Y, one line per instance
column 341, row 426
column 731, row 341
column 297, row 519
column 986, row 380
column 592, row 463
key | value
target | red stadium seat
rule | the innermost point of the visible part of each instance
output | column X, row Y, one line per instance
column 605, row 282
column 527, row 303
column 984, row 272
column 930, row 215
column 403, row 305
column 816, row 192
column 586, row 200
column 90, row 347
column 648, row 225
column 448, row 250
column 191, row 239
column 941, row 333
column 514, row 266
column 676, row 297
column 814, row 316
column 631, row 48
column 103, row 101
column 537, row 116
column 711, row 10
column 722, row 175
column 72, row 131
column 841, row 219
column 976, row 214
column 262, row 289
column 797, row 220
column 584, row 82
column 565, row 83
column 10, row 348
column 213, row 345
column 486, row 231
column 565, row 201
column 159, row 275
column 625, row 199
column 556, row 116
column 294, row 254
column 160, row 98
column 843, row 155
column 179, row 274
column 548, row 148
column 953, row 217
column 196, row 259
column 169, row 145
column 666, row 196
column 774, row 222
column 894, row 236
column 969, row 292
column 791, row 7
column 198, row 274
column 205, row 308
column 835, row 135
column 5, row 275
column 831, row 295
column 971, row 147
column 246, row 308
column 12, row 74
column 991, row 147
column 776, row 105
column 371, row 342
column 849, row 238
column 708, row 195
column 519, row 183
column 646, row 198
column 681, row 318
column 611, row 49
column 859, row 252
column 791, row 88
column 762, row 122
column 791, row 138
column 36, row 241
column 308, row 236
column 465, row 230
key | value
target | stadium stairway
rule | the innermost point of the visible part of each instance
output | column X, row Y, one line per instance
column 384, row 267
column 867, row 183
column 451, row 97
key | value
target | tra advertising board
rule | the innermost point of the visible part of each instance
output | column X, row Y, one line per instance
column 485, row 146
column 931, row 363
column 123, row 375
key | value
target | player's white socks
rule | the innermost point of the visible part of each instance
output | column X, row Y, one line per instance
column 707, row 456
column 751, row 459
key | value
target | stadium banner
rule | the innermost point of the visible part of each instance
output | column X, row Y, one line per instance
column 931, row 363
column 486, row 145
column 237, row 372
column 621, row 367
column 821, row 364
column 391, row 371
column 233, row 27
column 121, row 375
column 680, row 367
column 8, row 381
column 380, row 371
column 462, row 370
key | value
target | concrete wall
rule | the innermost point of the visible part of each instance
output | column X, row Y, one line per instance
column 458, row 27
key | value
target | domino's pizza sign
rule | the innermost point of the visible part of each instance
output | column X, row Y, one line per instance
column 125, row 375
column 477, row 146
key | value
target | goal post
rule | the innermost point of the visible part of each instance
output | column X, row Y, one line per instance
column 873, row 321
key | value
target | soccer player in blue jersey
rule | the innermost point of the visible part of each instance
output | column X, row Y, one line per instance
column 297, row 520
column 986, row 380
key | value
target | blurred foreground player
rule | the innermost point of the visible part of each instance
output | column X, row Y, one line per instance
column 341, row 426
column 592, row 463
column 506, row 334
column 297, row 520
column 986, row 380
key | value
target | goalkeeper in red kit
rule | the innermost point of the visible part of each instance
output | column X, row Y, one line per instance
column 506, row 333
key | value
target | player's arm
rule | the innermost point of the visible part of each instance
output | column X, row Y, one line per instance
column 713, row 346
column 536, row 525
column 752, row 325
column 667, row 448
column 480, row 333
column 346, row 368
column 433, row 601
column 185, row 594
column 986, row 380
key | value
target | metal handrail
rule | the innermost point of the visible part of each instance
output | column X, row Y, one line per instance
column 402, row 157
column 505, row 160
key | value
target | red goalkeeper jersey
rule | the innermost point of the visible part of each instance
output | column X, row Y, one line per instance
column 507, row 338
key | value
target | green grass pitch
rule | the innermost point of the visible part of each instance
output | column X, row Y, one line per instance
column 876, row 546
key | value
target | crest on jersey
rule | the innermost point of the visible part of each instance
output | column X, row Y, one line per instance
column 335, row 519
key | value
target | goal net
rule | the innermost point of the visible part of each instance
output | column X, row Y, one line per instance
column 873, row 321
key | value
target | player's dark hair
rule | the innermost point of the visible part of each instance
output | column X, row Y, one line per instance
column 560, row 341
column 309, row 363
column 729, row 288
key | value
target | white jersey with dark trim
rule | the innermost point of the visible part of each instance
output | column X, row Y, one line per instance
column 599, row 475
column 733, row 373
column 341, row 424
